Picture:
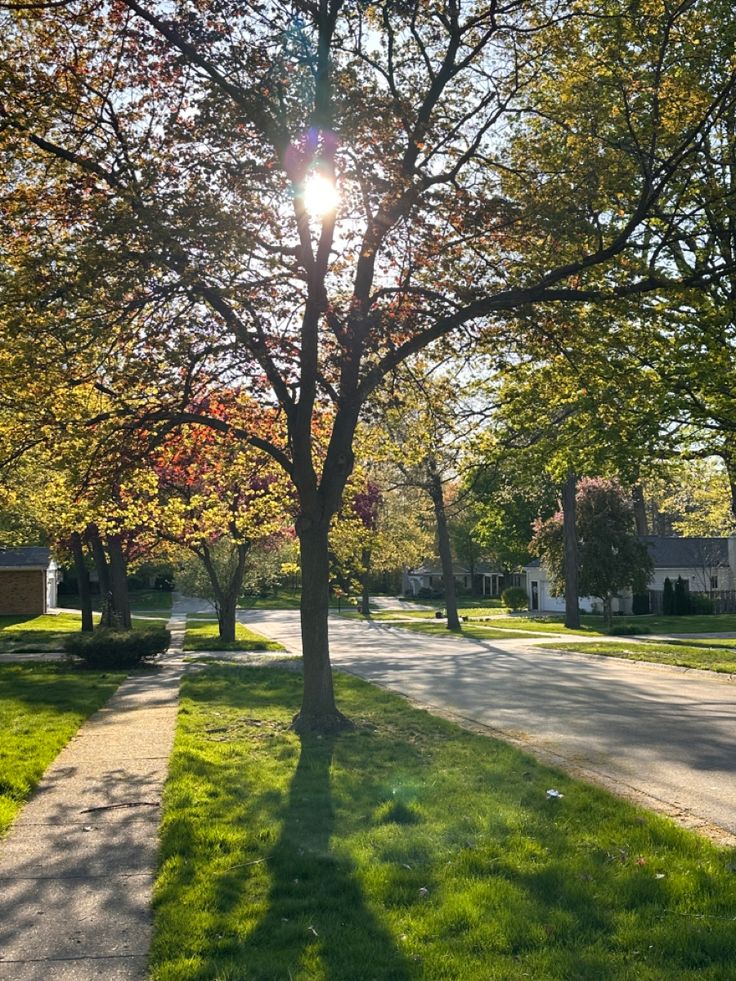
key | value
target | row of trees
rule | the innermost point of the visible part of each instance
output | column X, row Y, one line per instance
column 538, row 177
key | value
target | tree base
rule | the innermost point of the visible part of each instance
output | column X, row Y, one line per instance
column 326, row 723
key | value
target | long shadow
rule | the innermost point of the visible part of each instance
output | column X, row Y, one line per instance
column 316, row 910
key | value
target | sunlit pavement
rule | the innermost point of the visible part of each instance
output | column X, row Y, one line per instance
column 662, row 736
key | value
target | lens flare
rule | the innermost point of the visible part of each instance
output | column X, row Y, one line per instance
column 321, row 197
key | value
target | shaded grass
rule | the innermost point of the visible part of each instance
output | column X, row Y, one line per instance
column 702, row 655
column 411, row 849
column 41, row 707
column 203, row 636
column 45, row 633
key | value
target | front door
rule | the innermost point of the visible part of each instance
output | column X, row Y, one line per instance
column 535, row 595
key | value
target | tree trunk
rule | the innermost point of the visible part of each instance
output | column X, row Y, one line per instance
column 443, row 541
column 226, row 613
column 119, row 582
column 607, row 610
column 640, row 510
column 318, row 712
column 226, row 593
column 569, row 531
column 365, row 599
column 103, row 575
column 85, row 598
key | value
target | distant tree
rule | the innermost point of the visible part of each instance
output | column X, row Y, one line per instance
column 668, row 598
column 681, row 604
column 611, row 557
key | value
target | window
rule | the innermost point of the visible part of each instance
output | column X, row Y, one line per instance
column 714, row 582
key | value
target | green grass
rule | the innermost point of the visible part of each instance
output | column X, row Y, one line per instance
column 708, row 655
column 203, row 636
column 720, row 623
column 43, row 634
column 41, row 707
column 283, row 600
column 141, row 600
column 410, row 849
column 20, row 635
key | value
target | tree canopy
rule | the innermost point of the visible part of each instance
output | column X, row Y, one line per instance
column 296, row 197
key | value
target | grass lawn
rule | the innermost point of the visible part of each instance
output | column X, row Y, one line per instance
column 141, row 600
column 41, row 707
column 709, row 655
column 203, row 636
column 410, row 849
column 29, row 634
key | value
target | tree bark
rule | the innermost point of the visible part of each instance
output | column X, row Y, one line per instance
column 85, row 598
column 640, row 511
column 226, row 593
column 436, row 492
column 119, row 582
column 569, row 531
column 103, row 574
column 365, row 598
column 607, row 610
column 318, row 711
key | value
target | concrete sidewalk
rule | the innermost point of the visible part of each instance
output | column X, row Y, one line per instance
column 77, row 868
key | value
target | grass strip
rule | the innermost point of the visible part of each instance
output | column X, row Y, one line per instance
column 473, row 631
column 411, row 849
column 41, row 707
column 701, row 655
column 204, row 636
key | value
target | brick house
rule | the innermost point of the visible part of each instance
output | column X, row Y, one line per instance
column 29, row 579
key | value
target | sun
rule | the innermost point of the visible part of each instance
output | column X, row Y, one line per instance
column 321, row 197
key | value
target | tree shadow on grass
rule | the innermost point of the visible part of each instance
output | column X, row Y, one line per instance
column 317, row 923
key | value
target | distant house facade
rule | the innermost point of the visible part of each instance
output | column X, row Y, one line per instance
column 29, row 580
column 706, row 565
column 483, row 579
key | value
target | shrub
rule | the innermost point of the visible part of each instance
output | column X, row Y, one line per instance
column 681, row 598
column 113, row 649
column 701, row 604
column 514, row 598
column 627, row 630
column 668, row 598
column 640, row 604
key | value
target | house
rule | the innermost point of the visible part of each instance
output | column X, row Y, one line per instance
column 29, row 579
column 484, row 579
column 706, row 565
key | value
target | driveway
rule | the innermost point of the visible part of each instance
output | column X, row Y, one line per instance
column 661, row 736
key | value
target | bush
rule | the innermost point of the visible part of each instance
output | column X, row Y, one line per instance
column 681, row 598
column 627, row 630
column 700, row 604
column 640, row 604
column 515, row 598
column 113, row 649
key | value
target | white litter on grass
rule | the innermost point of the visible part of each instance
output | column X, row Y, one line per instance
column 554, row 794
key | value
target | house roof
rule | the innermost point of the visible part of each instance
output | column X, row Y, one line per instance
column 679, row 553
column 435, row 569
column 26, row 557
column 686, row 553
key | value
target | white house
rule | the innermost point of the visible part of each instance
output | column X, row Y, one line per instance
column 486, row 579
column 706, row 565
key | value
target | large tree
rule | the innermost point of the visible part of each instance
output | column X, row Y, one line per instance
column 610, row 556
column 172, row 215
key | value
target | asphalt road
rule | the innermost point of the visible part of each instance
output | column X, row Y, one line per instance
column 661, row 736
